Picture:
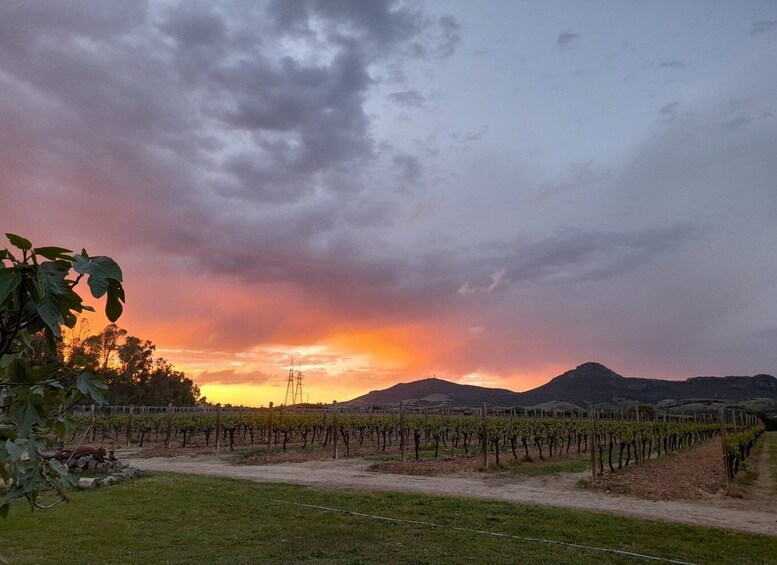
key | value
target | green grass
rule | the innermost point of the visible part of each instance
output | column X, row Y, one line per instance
column 179, row 519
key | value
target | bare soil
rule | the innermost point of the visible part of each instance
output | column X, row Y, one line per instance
column 693, row 474
column 641, row 490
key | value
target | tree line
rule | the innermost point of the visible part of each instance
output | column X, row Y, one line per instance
column 128, row 365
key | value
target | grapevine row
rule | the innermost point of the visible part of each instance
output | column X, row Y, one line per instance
column 616, row 443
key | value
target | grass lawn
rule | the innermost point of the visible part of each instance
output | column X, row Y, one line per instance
column 167, row 518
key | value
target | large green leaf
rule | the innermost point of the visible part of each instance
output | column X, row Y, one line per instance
column 20, row 242
column 100, row 269
column 27, row 415
column 9, row 282
column 55, row 273
column 89, row 383
column 53, row 253
column 113, row 307
column 51, row 285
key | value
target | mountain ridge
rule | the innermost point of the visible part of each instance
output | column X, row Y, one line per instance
column 587, row 384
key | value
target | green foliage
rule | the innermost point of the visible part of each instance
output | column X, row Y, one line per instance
column 37, row 298
column 130, row 369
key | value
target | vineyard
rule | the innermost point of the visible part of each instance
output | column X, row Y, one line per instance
column 611, row 443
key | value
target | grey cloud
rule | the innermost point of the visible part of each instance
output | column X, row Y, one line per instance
column 758, row 28
column 579, row 176
column 378, row 26
column 22, row 21
column 381, row 23
column 767, row 334
column 408, row 98
column 668, row 112
column 671, row 64
column 409, row 167
column 740, row 121
column 193, row 113
column 192, row 26
column 259, row 179
column 566, row 38
column 450, row 36
column 576, row 255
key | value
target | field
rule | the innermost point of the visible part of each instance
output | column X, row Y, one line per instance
column 279, row 495
column 166, row 518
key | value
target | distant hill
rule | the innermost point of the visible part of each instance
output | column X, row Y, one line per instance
column 590, row 383
column 437, row 391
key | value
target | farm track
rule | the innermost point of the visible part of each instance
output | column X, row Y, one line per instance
column 763, row 490
column 559, row 491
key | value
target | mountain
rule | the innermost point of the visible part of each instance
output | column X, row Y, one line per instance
column 590, row 383
column 437, row 391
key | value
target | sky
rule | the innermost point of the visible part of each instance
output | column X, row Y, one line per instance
column 488, row 192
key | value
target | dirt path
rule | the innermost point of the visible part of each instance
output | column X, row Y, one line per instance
column 763, row 489
column 353, row 474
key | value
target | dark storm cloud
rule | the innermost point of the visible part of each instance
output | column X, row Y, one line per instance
column 192, row 109
column 377, row 25
column 188, row 134
column 566, row 38
column 382, row 22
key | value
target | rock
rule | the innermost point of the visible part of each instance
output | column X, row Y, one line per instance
column 91, row 464
column 85, row 483
column 117, row 465
column 131, row 472
column 100, row 468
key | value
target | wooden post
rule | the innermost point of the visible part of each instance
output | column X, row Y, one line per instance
column 592, row 436
column 94, row 430
column 402, row 430
column 725, row 451
column 426, row 432
column 218, row 426
column 485, row 436
column 334, row 426
column 169, row 440
column 129, row 427
column 269, row 429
